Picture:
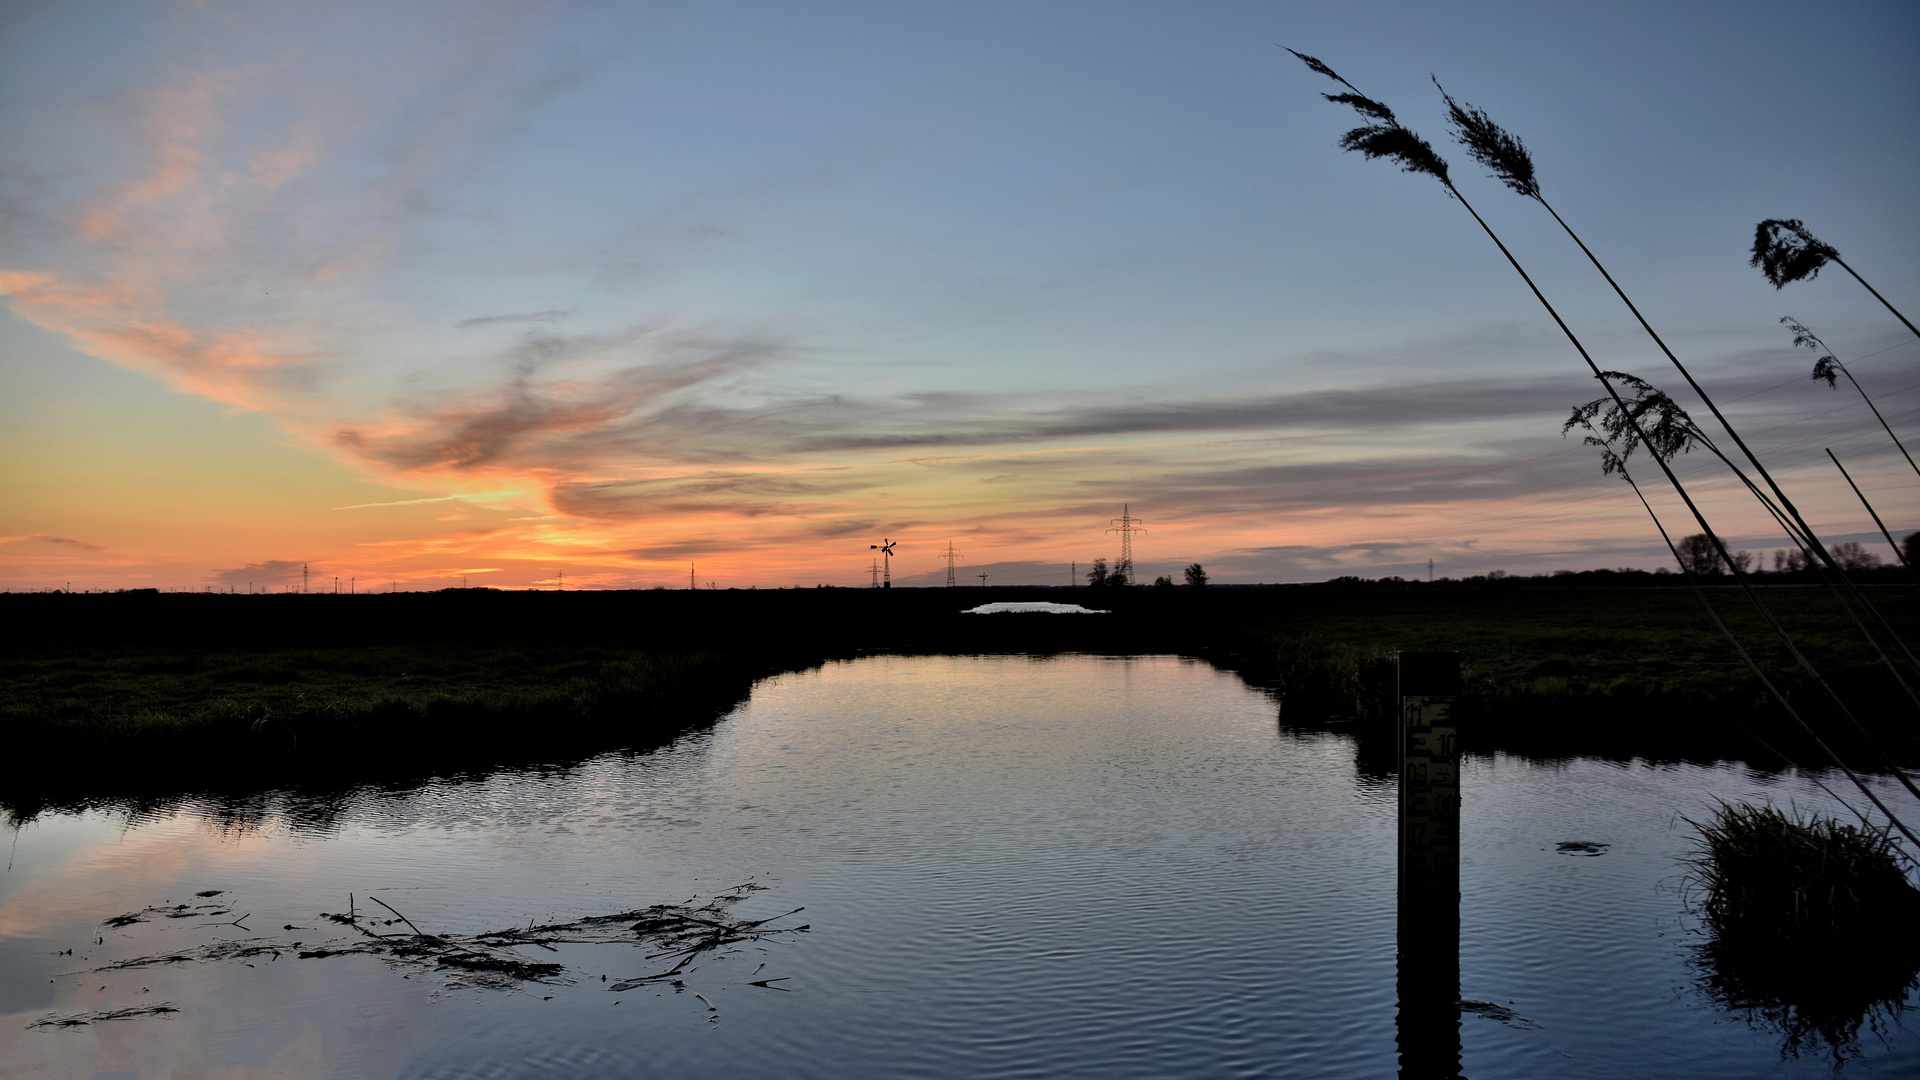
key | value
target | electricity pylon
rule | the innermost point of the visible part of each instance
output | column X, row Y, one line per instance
column 950, row 556
column 1126, row 525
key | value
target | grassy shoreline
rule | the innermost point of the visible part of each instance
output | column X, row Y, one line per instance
column 145, row 722
column 124, row 695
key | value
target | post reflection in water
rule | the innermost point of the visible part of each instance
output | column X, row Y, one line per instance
column 1428, row 939
column 1427, row 1027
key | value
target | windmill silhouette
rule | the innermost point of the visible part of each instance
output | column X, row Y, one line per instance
column 885, row 548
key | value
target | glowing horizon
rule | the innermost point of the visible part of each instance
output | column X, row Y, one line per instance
column 515, row 291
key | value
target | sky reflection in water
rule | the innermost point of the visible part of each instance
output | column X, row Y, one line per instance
column 1068, row 867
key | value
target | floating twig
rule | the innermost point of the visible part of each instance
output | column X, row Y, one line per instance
column 396, row 911
column 84, row 1019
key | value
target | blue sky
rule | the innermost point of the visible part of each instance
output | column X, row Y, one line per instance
column 623, row 286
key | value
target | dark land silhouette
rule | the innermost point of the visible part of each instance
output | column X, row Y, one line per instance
column 138, row 695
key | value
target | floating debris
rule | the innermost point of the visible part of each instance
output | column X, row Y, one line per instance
column 679, row 933
column 1496, row 1012
column 1582, row 847
column 171, row 911
column 83, row 1019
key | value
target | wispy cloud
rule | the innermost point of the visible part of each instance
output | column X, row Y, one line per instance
column 549, row 412
column 354, row 236
column 548, row 316
column 269, row 572
column 66, row 542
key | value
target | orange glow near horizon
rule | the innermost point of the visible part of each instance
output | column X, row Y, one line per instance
column 466, row 311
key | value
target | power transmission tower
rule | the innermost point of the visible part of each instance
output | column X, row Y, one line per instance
column 876, row 573
column 983, row 579
column 1429, row 570
column 1126, row 525
column 303, row 577
column 950, row 555
column 692, row 582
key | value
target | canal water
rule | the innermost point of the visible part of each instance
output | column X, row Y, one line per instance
column 1010, row 867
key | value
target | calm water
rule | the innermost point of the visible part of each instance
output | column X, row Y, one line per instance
column 1077, row 866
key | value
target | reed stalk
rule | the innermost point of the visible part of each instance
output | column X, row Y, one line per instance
column 1507, row 158
column 1386, row 137
column 1824, row 369
column 1674, row 432
column 1786, row 252
column 1383, row 136
column 1898, row 554
column 1675, row 440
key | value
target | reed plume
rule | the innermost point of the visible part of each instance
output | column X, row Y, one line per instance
column 1382, row 135
column 1828, row 368
column 1786, row 252
column 1505, row 156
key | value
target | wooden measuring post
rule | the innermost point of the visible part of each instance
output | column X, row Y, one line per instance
column 1428, row 1025
column 1429, row 775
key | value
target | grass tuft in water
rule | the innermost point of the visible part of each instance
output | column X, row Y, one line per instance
column 1811, row 924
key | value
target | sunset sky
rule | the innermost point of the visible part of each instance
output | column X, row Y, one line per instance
column 414, row 292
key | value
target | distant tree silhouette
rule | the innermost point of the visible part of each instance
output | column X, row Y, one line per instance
column 1163, row 582
column 1702, row 560
column 1910, row 547
column 1196, row 575
column 1852, row 556
column 1099, row 577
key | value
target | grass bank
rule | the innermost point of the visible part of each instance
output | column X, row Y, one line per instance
column 1620, row 671
column 131, row 721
